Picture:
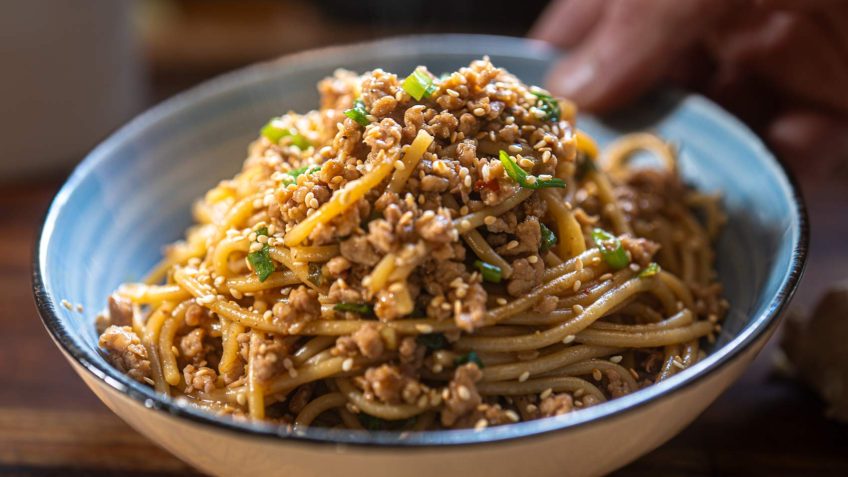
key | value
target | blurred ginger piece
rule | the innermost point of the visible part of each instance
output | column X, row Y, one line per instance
column 817, row 349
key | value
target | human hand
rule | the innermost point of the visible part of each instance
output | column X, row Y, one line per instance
column 781, row 65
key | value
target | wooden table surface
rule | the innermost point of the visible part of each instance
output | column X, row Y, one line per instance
column 51, row 424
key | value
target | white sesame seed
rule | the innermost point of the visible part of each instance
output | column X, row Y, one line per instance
column 512, row 415
column 501, row 301
column 79, row 307
column 463, row 393
column 616, row 359
column 568, row 339
column 577, row 309
column 533, row 259
column 512, row 244
column 466, row 225
column 578, row 265
column 424, row 328
column 596, row 374
column 524, row 376
column 67, row 304
column 489, row 220
column 546, row 393
column 347, row 364
column 531, row 408
column 481, row 424
column 577, row 285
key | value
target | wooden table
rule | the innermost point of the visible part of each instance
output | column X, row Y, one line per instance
column 51, row 424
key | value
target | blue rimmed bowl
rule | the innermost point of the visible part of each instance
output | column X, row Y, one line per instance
column 132, row 195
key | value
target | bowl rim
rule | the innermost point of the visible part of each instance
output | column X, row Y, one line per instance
column 758, row 327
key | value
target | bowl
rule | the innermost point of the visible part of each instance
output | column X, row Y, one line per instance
column 132, row 195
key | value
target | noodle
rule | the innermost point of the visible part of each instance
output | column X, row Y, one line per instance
column 415, row 267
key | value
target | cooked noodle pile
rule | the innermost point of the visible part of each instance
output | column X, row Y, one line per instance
column 427, row 252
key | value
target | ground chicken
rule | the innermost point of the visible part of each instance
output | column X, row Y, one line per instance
column 124, row 350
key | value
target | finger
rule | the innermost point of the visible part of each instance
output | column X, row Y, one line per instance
column 630, row 50
column 810, row 138
column 565, row 23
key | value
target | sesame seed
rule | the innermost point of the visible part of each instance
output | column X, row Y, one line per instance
column 267, row 315
column 577, row 285
column 616, row 359
column 526, row 163
column 578, row 265
column 514, row 148
column 466, row 225
column 424, row 328
column 512, row 244
column 524, row 376
column 531, row 408
column 79, row 307
column 489, row 220
column 577, row 309
column 501, row 301
column 634, row 267
column 479, row 111
column 533, row 259
column 634, row 373
column 463, row 210
column 512, row 415
column 347, row 364
column 438, row 368
column 579, row 392
column 531, row 180
column 605, row 277
column 546, row 393
column 568, row 339
column 677, row 363
column 67, row 304
column 293, row 373
column 481, row 424
column 463, row 393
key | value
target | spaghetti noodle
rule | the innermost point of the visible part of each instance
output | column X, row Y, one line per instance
column 427, row 253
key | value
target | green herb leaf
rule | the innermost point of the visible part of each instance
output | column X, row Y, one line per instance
column 432, row 341
column 470, row 357
column 519, row 175
column 491, row 273
column 611, row 249
column 261, row 262
column 419, row 84
column 315, row 275
column 585, row 164
column 652, row 269
column 358, row 113
column 273, row 131
column 361, row 308
column 549, row 238
column 548, row 104
column 262, row 231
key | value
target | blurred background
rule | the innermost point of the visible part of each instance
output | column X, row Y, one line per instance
column 72, row 72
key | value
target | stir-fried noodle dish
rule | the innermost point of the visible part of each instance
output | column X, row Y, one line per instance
column 427, row 252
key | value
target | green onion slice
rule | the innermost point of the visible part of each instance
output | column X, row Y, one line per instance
column 273, row 131
column 652, row 269
column 491, row 273
column 432, row 341
column 549, row 238
column 358, row 113
column 611, row 249
column 261, row 262
column 548, row 104
column 361, row 308
column 519, row 175
column 471, row 357
column 419, row 84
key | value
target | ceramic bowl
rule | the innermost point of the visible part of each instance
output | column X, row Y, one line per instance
column 132, row 195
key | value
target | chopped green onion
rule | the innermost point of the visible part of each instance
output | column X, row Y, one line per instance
column 274, row 132
column 361, row 308
column 444, row 76
column 548, row 104
column 419, row 84
column 491, row 273
column 519, row 175
column 358, row 113
column 652, row 269
column 315, row 275
column 611, row 249
column 471, row 357
column 432, row 341
column 261, row 262
column 262, row 231
column 549, row 238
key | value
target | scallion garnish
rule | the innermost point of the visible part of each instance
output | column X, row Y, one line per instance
column 262, row 231
column 519, row 175
column 274, row 131
column 549, row 238
column 585, row 165
column 470, row 357
column 361, row 308
column 491, row 273
column 611, row 249
column 652, row 269
column 548, row 105
column 358, row 113
column 295, row 173
column 261, row 262
column 419, row 84
column 432, row 341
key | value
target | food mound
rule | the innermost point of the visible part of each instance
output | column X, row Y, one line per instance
column 427, row 252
